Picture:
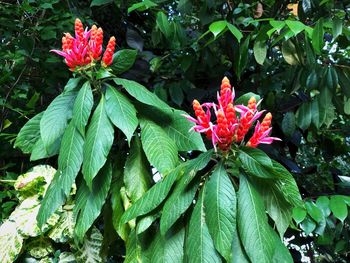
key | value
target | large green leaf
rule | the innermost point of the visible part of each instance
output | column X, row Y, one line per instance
column 89, row 203
column 317, row 37
column 11, row 242
column 123, row 60
column 160, row 150
column 153, row 197
column 69, row 162
column 142, row 94
column 72, row 84
column 199, row 244
column 179, row 131
column 98, row 142
column 40, row 152
column 56, row 116
column 220, row 210
column 90, row 251
column 168, row 248
column 29, row 134
column 133, row 249
column 121, row 112
column 304, row 116
column 137, row 176
column 178, row 202
column 253, row 227
column 82, row 107
column 238, row 253
column 315, row 213
column 217, row 27
column 256, row 162
column 260, row 51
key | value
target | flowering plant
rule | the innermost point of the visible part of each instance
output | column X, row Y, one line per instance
column 229, row 128
column 85, row 48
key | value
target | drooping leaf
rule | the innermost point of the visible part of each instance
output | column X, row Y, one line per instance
column 288, row 123
column 299, row 214
column 295, row 26
column 322, row 202
column 72, row 84
column 90, row 251
column 29, row 134
column 69, row 163
column 217, row 27
column 133, row 248
column 82, row 107
column 89, row 202
column 137, row 176
column 337, row 27
column 235, row 31
column 289, row 53
column 304, row 116
column 123, row 60
column 238, row 253
column 98, row 142
column 253, row 227
column 220, row 210
column 178, row 202
column 256, row 162
column 121, row 112
column 11, row 242
column 260, row 51
column 140, row 93
column 168, row 248
column 179, row 131
column 141, row 6
column 55, row 117
column 199, row 244
column 145, row 222
column 308, row 225
column 40, row 152
column 317, row 37
column 163, row 24
column 313, row 211
column 153, row 197
column 100, row 2
column 338, row 207
column 160, row 150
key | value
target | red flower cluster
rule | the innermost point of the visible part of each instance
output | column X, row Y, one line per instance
column 230, row 127
column 85, row 47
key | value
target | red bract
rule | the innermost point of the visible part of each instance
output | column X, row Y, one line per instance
column 228, row 127
column 85, row 47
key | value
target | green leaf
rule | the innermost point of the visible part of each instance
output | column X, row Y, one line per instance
column 235, row 31
column 82, row 107
column 98, row 142
column 338, row 207
column 313, row 211
column 220, row 210
column 288, row 123
column 145, row 222
column 133, row 249
column 91, row 249
column 160, row 150
column 256, row 162
column 69, row 162
column 322, row 202
column 100, row 2
column 242, row 57
column 121, row 112
column 140, row 93
column 317, row 37
column 289, row 53
column 55, row 118
column 337, row 28
column 238, row 253
column 295, row 26
column 66, row 257
column 168, row 248
column 153, row 197
column 315, row 114
column 299, row 214
column 260, row 51
column 253, row 227
column 163, row 24
column 124, row 59
column 141, row 6
column 217, row 27
column 137, row 176
column 29, row 134
column 312, row 80
column 178, row 202
column 304, row 116
column 308, row 225
column 72, row 84
column 331, row 77
column 179, row 131
column 89, row 203
column 11, row 242
column 199, row 246
column 39, row 151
